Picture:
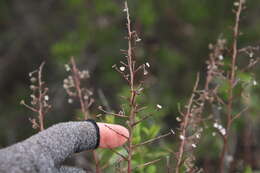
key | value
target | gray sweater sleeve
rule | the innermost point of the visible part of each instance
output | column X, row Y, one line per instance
column 45, row 151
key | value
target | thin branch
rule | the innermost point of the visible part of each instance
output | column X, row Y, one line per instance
column 40, row 98
column 148, row 163
column 111, row 113
column 121, row 155
column 116, row 132
column 152, row 140
column 184, row 126
column 77, row 82
column 142, row 119
column 29, row 107
column 239, row 114
column 232, row 79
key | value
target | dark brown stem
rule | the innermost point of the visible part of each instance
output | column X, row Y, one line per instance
column 77, row 82
column 40, row 98
column 98, row 170
column 130, row 65
column 184, row 126
column 152, row 140
column 232, row 79
column 84, row 107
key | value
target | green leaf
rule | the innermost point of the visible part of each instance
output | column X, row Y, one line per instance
column 151, row 169
column 154, row 130
column 110, row 119
column 248, row 170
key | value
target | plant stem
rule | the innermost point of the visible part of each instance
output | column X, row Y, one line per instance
column 231, row 86
column 184, row 126
column 96, row 162
column 78, row 88
column 84, row 110
column 40, row 98
column 133, row 93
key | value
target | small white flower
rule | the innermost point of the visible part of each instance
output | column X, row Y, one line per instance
column 178, row 119
column 254, row 82
column 46, row 98
column 223, row 131
column 236, row 3
column 84, row 74
column 220, row 57
column 66, row 81
column 182, row 137
column 32, row 87
column 159, row 106
column 140, row 90
column 33, row 79
column 70, row 101
column 138, row 39
column 145, row 72
column 251, row 55
column 85, row 97
column 147, row 64
column 125, row 10
column 122, row 68
column 194, row 145
column 67, row 67
column 229, row 158
column 220, row 127
column 197, row 136
column 213, row 133
column 216, row 125
column 65, row 86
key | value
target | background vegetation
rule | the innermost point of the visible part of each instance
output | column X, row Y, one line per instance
column 175, row 37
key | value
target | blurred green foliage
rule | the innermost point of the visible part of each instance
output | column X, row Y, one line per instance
column 175, row 37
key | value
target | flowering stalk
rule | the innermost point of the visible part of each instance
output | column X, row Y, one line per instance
column 189, row 129
column 133, row 93
column 232, row 79
column 39, row 102
column 129, row 71
column 73, row 87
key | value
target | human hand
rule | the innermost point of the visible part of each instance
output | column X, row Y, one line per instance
column 46, row 151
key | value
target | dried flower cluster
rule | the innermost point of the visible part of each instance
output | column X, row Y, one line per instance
column 190, row 130
column 39, row 98
column 72, row 85
column 129, row 69
column 220, row 74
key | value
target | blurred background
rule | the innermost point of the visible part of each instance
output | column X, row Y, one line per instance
column 175, row 37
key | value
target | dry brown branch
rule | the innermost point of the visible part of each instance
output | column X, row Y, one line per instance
column 120, row 114
column 117, row 132
column 184, row 125
column 152, row 140
column 232, row 79
column 148, row 163
column 39, row 98
column 130, row 65
column 239, row 114
column 73, row 87
column 125, row 158
column 142, row 119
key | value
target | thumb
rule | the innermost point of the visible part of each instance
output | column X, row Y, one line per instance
column 112, row 135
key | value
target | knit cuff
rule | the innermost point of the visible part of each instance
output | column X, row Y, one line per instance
column 97, row 130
